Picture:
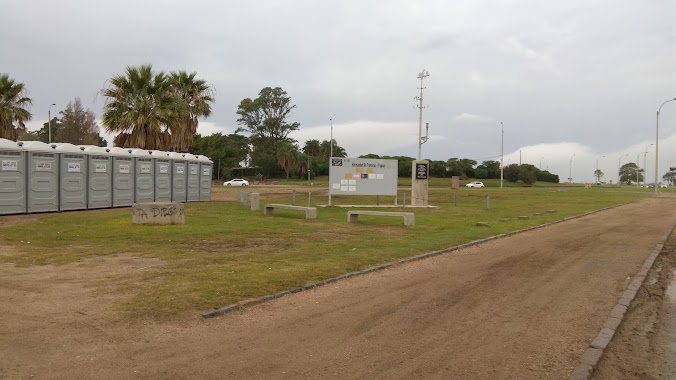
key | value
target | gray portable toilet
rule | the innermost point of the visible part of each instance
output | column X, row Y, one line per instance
column 42, row 171
column 206, row 168
column 123, row 176
column 193, row 178
column 72, row 176
column 144, row 181
column 99, row 177
column 12, row 178
column 162, row 175
column 179, row 177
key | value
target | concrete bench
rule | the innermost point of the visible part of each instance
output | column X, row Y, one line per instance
column 409, row 217
column 310, row 212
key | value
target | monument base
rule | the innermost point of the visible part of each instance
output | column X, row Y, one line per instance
column 158, row 213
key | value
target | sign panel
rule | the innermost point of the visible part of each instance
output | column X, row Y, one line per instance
column 124, row 169
column 363, row 176
column 73, row 167
column 180, row 170
column 10, row 166
column 164, row 169
column 193, row 170
column 43, row 166
column 421, row 170
column 205, row 171
column 100, row 168
column 145, row 169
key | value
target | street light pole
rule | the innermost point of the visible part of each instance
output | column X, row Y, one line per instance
column 598, row 177
column 331, row 155
column 541, row 162
column 570, row 169
column 502, row 153
column 49, row 122
column 638, row 168
column 422, row 75
column 657, row 140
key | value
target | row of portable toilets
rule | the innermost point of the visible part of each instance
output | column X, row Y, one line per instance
column 39, row 177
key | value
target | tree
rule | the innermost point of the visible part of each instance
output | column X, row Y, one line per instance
column 628, row 173
column 141, row 106
column 77, row 126
column 196, row 96
column 228, row 150
column 462, row 167
column 14, row 105
column 287, row 158
column 512, row 172
column 670, row 178
column 598, row 174
column 487, row 170
column 265, row 118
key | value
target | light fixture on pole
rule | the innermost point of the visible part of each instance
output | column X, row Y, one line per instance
column 49, row 122
column 657, row 140
column 502, row 153
column 645, row 168
column 570, row 169
column 619, row 168
column 598, row 177
column 422, row 75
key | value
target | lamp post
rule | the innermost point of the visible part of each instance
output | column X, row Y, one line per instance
column 570, row 169
column 598, row 178
column 638, row 167
column 422, row 75
column 645, row 168
column 619, row 167
column 331, row 155
column 502, row 154
column 49, row 122
column 541, row 162
column 657, row 140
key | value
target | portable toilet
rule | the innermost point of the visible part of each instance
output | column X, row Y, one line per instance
column 99, row 177
column 206, row 168
column 72, row 176
column 123, row 176
column 179, row 176
column 144, row 181
column 193, row 178
column 42, row 171
column 162, row 175
column 12, row 178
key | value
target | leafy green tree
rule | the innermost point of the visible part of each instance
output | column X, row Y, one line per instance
column 628, row 173
column 487, row 170
column 438, row 169
column 14, row 105
column 462, row 167
column 140, row 107
column 670, row 178
column 196, row 96
column 512, row 172
column 598, row 174
column 42, row 134
column 77, row 126
column 287, row 158
column 226, row 150
column 265, row 118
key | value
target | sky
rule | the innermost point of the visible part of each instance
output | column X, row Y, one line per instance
column 574, row 83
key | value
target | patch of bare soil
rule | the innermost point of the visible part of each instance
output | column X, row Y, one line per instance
column 229, row 193
column 522, row 307
column 644, row 346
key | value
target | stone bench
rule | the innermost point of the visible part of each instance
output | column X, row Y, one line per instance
column 158, row 213
column 409, row 217
column 310, row 212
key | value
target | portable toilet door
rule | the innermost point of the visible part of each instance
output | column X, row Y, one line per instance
column 12, row 178
column 144, row 181
column 162, row 176
column 72, row 177
column 193, row 178
column 206, row 169
column 179, row 178
column 99, row 177
column 42, row 171
column 123, row 177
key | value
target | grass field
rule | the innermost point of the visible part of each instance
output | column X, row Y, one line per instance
column 226, row 253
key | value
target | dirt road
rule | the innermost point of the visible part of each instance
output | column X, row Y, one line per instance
column 522, row 307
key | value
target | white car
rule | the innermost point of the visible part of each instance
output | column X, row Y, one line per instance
column 475, row 185
column 236, row 182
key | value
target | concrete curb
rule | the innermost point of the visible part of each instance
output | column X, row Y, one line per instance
column 591, row 357
column 250, row 302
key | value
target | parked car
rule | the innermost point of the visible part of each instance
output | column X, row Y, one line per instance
column 475, row 185
column 236, row 182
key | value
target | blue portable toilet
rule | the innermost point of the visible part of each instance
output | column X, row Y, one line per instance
column 72, row 176
column 42, row 172
column 12, row 178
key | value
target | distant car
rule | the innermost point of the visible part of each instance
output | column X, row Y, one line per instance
column 236, row 182
column 475, row 185
column 663, row 185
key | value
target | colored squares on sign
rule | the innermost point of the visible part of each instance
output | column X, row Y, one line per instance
column 343, row 188
column 372, row 176
column 380, row 176
column 364, row 176
column 353, row 188
column 352, row 182
column 369, row 170
column 359, row 170
column 357, row 176
column 344, row 182
column 347, row 175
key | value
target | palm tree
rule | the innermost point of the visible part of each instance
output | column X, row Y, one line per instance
column 14, row 104
column 312, row 148
column 196, row 95
column 141, row 108
column 287, row 158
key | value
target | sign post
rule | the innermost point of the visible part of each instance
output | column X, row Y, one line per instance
column 419, row 183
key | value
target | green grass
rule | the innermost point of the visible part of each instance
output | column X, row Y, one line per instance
column 226, row 253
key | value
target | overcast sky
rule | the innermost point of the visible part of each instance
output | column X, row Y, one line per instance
column 566, row 78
